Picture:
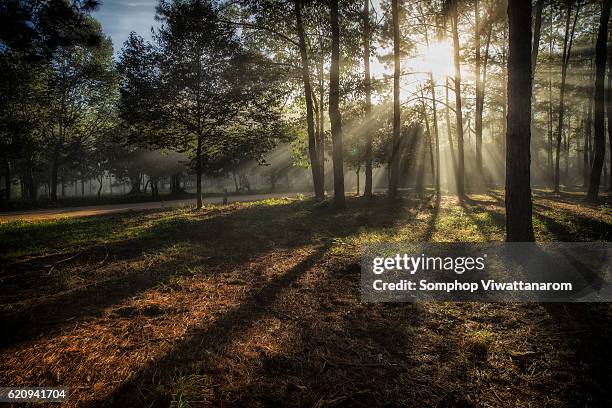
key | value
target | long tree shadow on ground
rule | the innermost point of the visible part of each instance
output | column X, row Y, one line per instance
column 296, row 332
column 223, row 239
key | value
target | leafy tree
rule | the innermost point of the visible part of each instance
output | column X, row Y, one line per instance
column 80, row 100
column 202, row 82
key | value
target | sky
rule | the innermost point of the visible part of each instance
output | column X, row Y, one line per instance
column 120, row 17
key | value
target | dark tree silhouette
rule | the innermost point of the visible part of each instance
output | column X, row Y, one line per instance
column 368, row 97
column 518, row 137
column 454, row 15
column 334, row 107
column 599, row 96
column 394, row 166
column 305, row 68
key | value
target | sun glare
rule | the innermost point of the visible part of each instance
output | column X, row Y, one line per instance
column 436, row 58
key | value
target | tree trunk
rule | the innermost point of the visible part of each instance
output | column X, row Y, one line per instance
column 395, row 153
column 535, row 49
column 429, row 137
column 31, row 183
column 518, row 188
column 135, row 181
column 449, row 133
column 436, row 133
column 334, row 107
column 458, row 108
column 199, row 173
column 567, row 49
column 312, row 152
column 609, row 111
column 537, row 29
column 100, row 186
column 478, row 124
column 175, row 185
column 549, row 155
column 7, row 179
column 368, row 99
column 321, row 135
column 236, row 187
column 54, row 171
column 598, row 99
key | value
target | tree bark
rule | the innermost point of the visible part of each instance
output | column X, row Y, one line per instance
column 549, row 155
column 449, row 133
column 598, row 100
column 54, row 172
column 458, row 107
column 478, row 124
column 199, row 173
column 535, row 49
column 312, row 152
column 321, row 136
column 537, row 30
column 609, row 112
column 395, row 153
column 7, row 179
column 567, row 50
column 334, row 107
column 436, row 133
column 368, row 99
column 518, row 186
column 236, row 187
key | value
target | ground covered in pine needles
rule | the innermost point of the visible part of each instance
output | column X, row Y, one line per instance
column 258, row 304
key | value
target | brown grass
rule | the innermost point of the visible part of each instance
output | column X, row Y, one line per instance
column 259, row 305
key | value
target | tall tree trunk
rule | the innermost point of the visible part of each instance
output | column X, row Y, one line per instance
column 449, row 133
column 609, row 111
column 566, row 145
column 31, row 183
column 535, row 49
column 199, row 173
column 567, row 50
column 312, row 152
column 7, row 179
column 458, row 108
column 436, row 133
column 599, row 96
column 480, row 98
column 395, row 143
column 588, row 129
column 54, row 172
column 549, row 156
column 334, row 107
column 429, row 137
column 321, row 135
column 478, row 124
column 100, row 186
column 537, row 30
column 518, row 186
column 504, row 62
column 368, row 98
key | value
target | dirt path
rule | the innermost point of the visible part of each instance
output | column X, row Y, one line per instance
column 74, row 212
